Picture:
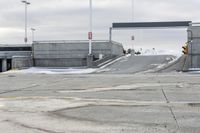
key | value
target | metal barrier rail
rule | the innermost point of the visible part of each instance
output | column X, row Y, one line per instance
column 68, row 41
column 76, row 41
column 195, row 24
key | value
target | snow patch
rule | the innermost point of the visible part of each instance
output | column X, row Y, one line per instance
column 169, row 60
column 39, row 70
column 152, row 52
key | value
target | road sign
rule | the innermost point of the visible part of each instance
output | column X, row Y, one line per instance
column 90, row 35
column 132, row 38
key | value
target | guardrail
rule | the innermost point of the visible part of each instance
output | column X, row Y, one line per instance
column 15, row 45
column 195, row 24
column 75, row 41
column 68, row 41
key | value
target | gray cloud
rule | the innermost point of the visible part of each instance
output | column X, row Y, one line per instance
column 68, row 19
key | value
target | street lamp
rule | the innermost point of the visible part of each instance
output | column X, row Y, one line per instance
column 132, row 19
column 33, row 30
column 132, row 10
column 26, row 3
column 90, row 32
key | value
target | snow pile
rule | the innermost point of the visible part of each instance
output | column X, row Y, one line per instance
column 158, row 52
column 194, row 70
column 39, row 70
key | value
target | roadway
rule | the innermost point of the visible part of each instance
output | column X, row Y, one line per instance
column 136, row 64
column 101, row 103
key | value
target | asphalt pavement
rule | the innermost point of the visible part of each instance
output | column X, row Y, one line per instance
column 136, row 64
column 101, row 103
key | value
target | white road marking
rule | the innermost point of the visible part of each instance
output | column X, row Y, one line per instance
column 124, row 87
column 1, row 105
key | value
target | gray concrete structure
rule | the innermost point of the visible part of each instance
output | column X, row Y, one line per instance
column 19, row 62
column 90, row 61
column 72, row 53
column 4, row 65
column 11, row 54
column 11, row 50
column 193, row 58
column 137, row 64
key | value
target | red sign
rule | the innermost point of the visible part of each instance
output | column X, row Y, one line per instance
column 90, row 35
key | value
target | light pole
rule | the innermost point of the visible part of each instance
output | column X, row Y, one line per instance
column 132, row 10
column 132, row 19
column 33, row 37
column 90, row 56
column 26, row 3
column 90, row 32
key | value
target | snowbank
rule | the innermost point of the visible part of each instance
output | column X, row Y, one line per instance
column 39, row 70
column 152, row 52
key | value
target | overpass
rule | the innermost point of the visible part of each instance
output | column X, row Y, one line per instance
column 192, row 60
column 9, row 55
column 58, row 53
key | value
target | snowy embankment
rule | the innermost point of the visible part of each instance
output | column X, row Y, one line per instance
column 74, row 70
column 169, row 61
column 41, row 70
column 167, row 64
column 84, row 70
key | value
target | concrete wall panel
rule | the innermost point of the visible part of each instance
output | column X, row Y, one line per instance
column 72, row 54
column 21, row 62
column 60, row 62
column 194, row 46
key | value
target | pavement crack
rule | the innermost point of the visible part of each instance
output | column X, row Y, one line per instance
column 171, row 110
column 165, row 96
column 10, row 91
column 31, row 127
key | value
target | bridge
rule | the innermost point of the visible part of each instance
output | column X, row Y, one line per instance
column 192, row 59
column 9, row 53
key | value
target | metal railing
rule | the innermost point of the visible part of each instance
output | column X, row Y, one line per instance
column 68, row 41
column 75, row 41
column 195, row 24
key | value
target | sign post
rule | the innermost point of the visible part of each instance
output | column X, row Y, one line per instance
column 90, row 33
column 90, row 56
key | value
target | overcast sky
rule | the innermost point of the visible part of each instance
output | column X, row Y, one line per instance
column 69, row 20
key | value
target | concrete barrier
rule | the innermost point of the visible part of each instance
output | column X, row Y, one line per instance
column 19, row 62
column 14, row 55
column 193, row 59
column 71, row 53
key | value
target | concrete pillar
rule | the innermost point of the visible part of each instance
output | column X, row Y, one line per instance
column 194, row 47
column 90, row 61
column 0, row 65
column 4, row 65
column 110, row 34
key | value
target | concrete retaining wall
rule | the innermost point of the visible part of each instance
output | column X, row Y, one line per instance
column 22, row 62
column 193, row 59
column 71, row 54
column 63, row 62
column 10, row 54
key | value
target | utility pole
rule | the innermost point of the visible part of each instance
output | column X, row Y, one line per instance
column 90, row 34
column 110, row 34
column 132, row 19
column 26, row 3
column 132, row 10
column 33, row 35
